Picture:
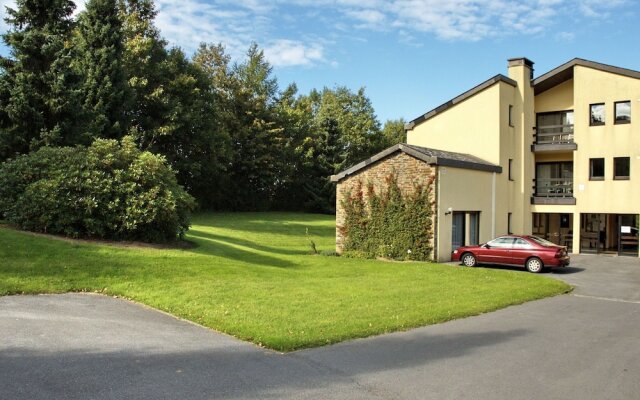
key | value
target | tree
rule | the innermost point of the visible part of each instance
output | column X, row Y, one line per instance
column 144, row 60
column 38, row 88
column 393, row 132
column 105, row 90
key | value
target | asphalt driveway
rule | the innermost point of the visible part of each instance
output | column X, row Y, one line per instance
column 580, row 346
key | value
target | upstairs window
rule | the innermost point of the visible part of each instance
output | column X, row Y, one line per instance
column 621, row 168
column 622, row 112
column 596, row 111
column 510, row 169
column 510, row 115
column 596, row 169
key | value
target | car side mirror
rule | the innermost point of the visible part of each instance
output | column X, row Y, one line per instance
column 486, row 246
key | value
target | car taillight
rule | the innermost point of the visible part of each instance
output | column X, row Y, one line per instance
column 560, row 253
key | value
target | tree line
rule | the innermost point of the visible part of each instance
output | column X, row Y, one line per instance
column 235, row 139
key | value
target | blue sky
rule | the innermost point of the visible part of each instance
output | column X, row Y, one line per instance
column 411, row 55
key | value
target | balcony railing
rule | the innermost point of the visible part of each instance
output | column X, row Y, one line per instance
column 554, row 187
column 554, row 134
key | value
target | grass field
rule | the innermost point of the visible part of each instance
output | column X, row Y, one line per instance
column 251, row 275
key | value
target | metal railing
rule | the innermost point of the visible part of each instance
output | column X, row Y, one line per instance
column 553, row 187
column 554, row 134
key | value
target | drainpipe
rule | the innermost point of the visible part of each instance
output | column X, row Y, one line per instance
column 436, row 228
column 493, row 206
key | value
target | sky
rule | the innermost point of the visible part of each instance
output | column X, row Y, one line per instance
column 410, row 55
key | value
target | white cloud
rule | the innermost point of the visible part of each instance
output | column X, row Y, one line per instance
column 287, row 53
column 237, row 23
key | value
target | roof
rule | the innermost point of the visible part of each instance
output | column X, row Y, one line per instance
column 459, row 99
column 429, row 156
column 565, row 72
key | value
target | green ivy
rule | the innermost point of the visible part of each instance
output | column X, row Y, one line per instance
column 389, row 224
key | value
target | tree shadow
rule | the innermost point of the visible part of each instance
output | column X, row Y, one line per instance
column 222, row 246
column 212, row 237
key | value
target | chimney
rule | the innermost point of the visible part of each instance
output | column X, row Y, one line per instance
column 521, row 61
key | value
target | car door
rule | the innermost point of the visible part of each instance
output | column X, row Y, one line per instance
column 498, row 250
column 521, row 250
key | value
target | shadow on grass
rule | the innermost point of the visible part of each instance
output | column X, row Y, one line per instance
column 273, row 223
column 245, row 243
column 223, row 246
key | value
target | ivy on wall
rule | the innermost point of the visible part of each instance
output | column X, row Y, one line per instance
column 389, row 224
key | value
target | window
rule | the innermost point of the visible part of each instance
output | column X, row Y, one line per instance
column 474, row 228
column 622, row 111
column 504, row 242
column 509, row 223
column 522, row 244
column 510, row 169
column 510, row 115
column 597, row 114
column 554, row 179
column 621, row 168
column 596, row 169
column 554, row 127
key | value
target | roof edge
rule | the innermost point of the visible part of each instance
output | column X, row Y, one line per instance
column 460, row 98
column 589, row 64
column 408, row 149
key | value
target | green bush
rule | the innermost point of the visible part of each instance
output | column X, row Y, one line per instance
column 109, row 190
column 388, row 224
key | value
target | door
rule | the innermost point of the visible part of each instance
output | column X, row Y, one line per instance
column 498, row 251
column 628, row 235
column 520, row 252
column 457, row 230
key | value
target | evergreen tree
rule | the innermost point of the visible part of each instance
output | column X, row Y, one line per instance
column 100, row 43
column 38, row 88
column 145, row 65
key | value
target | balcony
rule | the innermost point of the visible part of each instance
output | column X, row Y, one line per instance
column 553, row 191
column 553, row 138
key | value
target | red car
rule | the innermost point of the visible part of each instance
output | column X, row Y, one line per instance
column 531, row 252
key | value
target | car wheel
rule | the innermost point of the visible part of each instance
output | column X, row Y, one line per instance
column 534, row 264
column 469, row 260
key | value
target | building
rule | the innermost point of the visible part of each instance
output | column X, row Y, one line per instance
column 564, row 151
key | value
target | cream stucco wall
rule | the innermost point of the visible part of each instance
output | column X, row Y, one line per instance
column 469, row 127
column 607, row 141
column 462, row 190
column 558, row 98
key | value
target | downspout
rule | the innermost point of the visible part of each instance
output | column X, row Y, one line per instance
column 493, row 206
column 436, row 233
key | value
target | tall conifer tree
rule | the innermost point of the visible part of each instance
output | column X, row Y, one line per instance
column 100, row 43
column 38, row 88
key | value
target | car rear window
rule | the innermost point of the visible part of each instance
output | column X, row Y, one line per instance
column 542, row 242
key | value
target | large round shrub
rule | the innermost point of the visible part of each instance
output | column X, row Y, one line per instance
column 109, row 190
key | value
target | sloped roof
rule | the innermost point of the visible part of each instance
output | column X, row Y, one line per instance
column 460, row 98
column 565, row 72
column 429, row 156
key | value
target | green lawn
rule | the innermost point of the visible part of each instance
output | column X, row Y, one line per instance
column 251, row 275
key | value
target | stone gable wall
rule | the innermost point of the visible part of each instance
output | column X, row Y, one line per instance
column 408, row 170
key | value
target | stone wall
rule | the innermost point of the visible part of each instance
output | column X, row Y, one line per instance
column 408, row 170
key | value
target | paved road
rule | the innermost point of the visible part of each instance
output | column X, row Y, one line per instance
column 580, row 346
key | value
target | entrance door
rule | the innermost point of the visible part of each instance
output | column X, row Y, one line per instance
column 628, row 235
column 457, row 230
column 593, row 233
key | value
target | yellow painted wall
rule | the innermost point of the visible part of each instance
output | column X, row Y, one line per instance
column 608, row 141
column 469, row 127
column 558, row 98
column 462, row 190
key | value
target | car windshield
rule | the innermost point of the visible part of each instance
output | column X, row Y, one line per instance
column 541, row 241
